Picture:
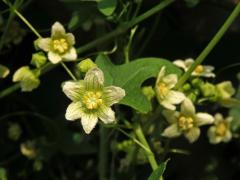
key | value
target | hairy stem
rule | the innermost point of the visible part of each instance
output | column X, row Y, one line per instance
column 210, row 46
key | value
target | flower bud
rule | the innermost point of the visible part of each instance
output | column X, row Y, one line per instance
column 225, row 90
column 85, row 65
column 38, row 59
column 197, row 82
column 28, row 149
column 4, row 71
column 28, row 78
column 208, row 90
column 148, row 92
column 14, row 131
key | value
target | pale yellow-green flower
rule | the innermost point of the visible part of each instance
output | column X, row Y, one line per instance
column 28, row 149
column 166, row 96
column 220, row 131
column 91, row 100
column 28, row 78
column 200, row 70
column 225, row 90
column 4, row 71
column 59, row 46
column 186, row 122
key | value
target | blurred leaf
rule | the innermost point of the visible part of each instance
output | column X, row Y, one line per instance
column 107, row 7
column 4, row 71
column 131, row 76
column 191, row 3
column 3, row 174
column 235, row 112
column 156, row 174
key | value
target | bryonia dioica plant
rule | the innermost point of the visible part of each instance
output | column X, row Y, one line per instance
column 134, row 106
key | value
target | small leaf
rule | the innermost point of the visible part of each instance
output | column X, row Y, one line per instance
column 157, row 173
column 107, row 7
column 131, row 76
column 4, row 71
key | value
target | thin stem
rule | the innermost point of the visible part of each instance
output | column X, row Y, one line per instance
column 68, row 71
column 13, row 9
column 127, row 49
column 210, row 46
column 27, row 23
column 135, row 140
column 151, row 158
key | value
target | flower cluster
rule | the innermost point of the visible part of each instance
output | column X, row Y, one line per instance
column 197, row 90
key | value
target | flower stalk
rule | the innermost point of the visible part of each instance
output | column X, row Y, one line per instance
column 151, row 158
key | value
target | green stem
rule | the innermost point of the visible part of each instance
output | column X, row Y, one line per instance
column 121, row 29
column 27, row 23
column 68, row 71
column 135, row 140
column 103, row 154
column 210, row 46
column 9, row 90
column 13, row 9
column 142, row 139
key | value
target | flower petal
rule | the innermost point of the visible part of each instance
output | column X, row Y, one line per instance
column 203, row 119
column 171, row 131
column 44, row 44
column 71, row 55
column 74, row 111
column 193, row 134
column 170, row 80
column 161, row 74
column 171, row 116
column 189, row 62
column 106, row 114
column 213, row 139
column 228, row 136
column 57, row 30
column 181, row 64
column 54, row 58
column 113, row 94
column 187, row 107
column 174, row 97
column 94, row 79
column 70, row 39
column 74, row 90
column 89, row 122
column 168, row 105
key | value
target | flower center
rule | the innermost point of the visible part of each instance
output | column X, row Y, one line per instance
column 199, row 69
column 221, row 129
column 92, row 100
column 163, row 89
column 185, row 123
column 60, row 45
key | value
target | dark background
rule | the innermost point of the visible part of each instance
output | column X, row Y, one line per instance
column 178, row 32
